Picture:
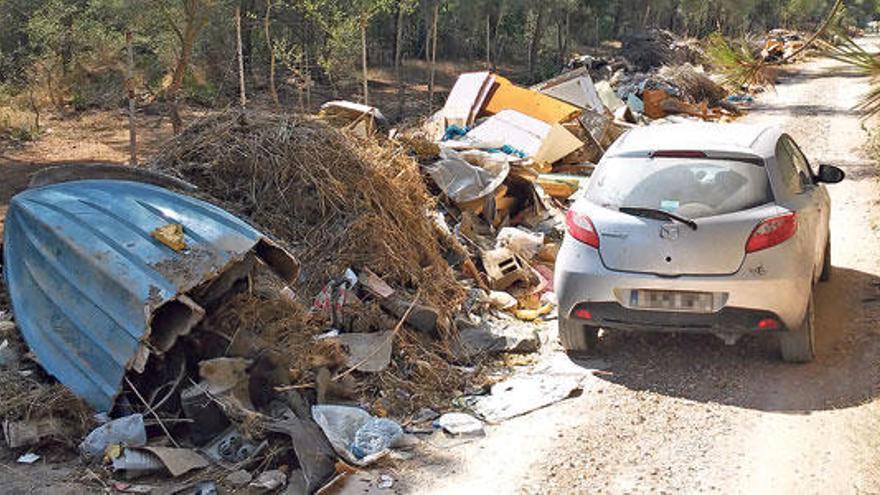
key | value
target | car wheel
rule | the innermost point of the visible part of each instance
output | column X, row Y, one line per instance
column 575, row 336
column 826, row 262
column 798, row 344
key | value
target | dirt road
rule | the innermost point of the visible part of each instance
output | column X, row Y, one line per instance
column 686, row 414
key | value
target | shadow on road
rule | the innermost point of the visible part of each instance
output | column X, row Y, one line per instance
column 751, row 374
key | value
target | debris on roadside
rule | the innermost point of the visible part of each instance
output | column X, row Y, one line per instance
column 460, row 424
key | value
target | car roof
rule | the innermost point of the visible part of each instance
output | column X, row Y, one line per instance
column 757, row 140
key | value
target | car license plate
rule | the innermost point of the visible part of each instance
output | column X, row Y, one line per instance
column 667, row 300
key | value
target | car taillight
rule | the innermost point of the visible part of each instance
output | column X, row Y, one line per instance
column 581, row 228
column 771, row 232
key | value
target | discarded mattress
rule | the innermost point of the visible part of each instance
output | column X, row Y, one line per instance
column 95, row 294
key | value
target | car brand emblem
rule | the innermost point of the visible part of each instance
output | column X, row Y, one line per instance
column 669, row 232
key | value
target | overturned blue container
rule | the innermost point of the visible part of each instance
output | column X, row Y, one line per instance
column 95, row 295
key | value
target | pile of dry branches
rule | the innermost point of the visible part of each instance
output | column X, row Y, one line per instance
column 695, row 85
column 336, row 201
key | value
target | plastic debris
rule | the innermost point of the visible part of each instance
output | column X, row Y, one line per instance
column 239, row 478
column 501, row 300
column 525, row 244
column 28, row 458
column 385, row 481
column 128, row 431
column 457, row 423
column 31, row 432
column 269, row 480
column 374, row 436
column 522, row 394
column 469, row 175
column 342, row 425
column 367, row 352
column 170, row 235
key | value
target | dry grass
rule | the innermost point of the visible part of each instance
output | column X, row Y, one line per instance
column 695, row 85
column 337, row 201
column 18, row 125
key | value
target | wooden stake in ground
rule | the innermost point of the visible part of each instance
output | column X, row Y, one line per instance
column 242, row 97
column 129, row 86
column 433, row 55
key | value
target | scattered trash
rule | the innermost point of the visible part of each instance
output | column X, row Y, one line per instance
column 355, row 435
column 574, row 87
column 32, row 432
column 493, row 336
column 523, row 243
column 9, row 357
column 205, row 487
column 28, row 458
column 538, row 140
column 463, row 181
column 501, row 300
column 385, row 481
column 122, row 273
column 425, row 414
column 367, row 352
column 269, row 480
column 460, row 424
column 230, row 447
column 128, row 431
column 239, row 478
column 504, row 268
column 170, row 235
column 467, row 98
column 363, row 119
column 123, row 487
column 508, row 97
column 522, row 394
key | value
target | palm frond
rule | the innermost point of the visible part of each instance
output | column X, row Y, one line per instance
column 844, row 49
column 736, row 63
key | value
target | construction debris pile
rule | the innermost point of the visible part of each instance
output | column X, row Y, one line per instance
column 311, row 293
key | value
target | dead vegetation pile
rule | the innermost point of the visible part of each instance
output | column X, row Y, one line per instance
column 337, row 201
column 694, row 84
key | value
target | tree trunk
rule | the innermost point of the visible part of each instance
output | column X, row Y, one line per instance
column 433, row 55
column 535, row 41
column 398, row 53
column 247, row 8
column 488, row 44
column 242, row 98
column 364, row 61
column 193, row 23
column 428, row 11
column 129, row 86
column 266, row 21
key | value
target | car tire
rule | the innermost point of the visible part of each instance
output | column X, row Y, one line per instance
column 797, row 345
column 826, row 262
column 577, row 337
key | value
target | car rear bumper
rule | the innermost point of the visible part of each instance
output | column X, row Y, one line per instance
column 611, row 315
column 768, row 284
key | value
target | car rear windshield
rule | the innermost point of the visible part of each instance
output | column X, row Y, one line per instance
column 690, row 187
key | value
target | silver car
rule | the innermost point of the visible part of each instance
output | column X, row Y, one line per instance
column 711, row 228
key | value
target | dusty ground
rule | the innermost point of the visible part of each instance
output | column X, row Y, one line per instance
column 686, row 414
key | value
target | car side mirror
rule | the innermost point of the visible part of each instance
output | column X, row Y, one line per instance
column 829, row 174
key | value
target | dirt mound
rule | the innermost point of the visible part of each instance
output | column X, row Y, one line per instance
column 336, row 200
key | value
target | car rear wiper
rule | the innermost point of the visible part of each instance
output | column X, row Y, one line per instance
column 657, row 214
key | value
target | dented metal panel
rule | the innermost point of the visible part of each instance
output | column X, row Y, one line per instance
column 86, row 278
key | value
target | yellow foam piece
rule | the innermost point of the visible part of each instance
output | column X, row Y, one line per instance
column 507, row 95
